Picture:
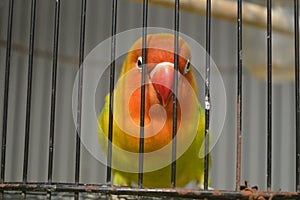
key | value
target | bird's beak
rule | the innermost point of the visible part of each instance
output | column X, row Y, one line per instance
column 162, row 77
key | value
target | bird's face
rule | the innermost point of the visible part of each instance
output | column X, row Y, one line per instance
column 159, row 86
column 160, row 65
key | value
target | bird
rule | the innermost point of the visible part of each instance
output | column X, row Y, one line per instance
column 158, row 116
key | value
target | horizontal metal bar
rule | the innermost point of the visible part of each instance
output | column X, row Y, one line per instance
column 155, row 192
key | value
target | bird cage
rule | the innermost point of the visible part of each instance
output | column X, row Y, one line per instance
column 248, row 87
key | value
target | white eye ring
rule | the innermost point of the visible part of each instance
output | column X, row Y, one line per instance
column 139, row 63
column 187, row 67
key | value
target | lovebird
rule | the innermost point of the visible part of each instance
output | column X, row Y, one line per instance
column 158, row 117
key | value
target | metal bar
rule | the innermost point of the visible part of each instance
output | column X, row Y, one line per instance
column 297, row 95
column 53, row 91
column 175, row 104
column 111, row 90
column 79, row 108
column 207, row 92
column 80, row 84
column 239, row 95
column 269, row 93
column 142, row 111
column 6, row 90
column 154, row 192
column 29, row 91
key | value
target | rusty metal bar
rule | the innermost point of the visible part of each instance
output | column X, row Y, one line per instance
column 154, row 192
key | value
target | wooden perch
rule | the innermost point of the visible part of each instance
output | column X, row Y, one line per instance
column 253, row 14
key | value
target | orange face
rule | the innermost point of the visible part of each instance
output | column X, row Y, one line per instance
column 159, row 87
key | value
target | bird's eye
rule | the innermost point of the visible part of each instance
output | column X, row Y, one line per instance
column 187, row 67
column 139, row 63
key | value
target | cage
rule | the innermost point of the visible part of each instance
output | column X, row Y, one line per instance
column 253, row 44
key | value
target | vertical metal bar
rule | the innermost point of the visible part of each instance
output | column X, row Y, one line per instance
column 111, row 90
column 239, row 96
column 207, row 92
column 297, row 93
column 269, row 92
column 29, row 91
column 142, row 111
column 53, row 91
column 6, row 90
column 80, row 83
column 175, row 104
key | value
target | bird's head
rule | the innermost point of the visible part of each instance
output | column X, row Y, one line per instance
column 160, row 65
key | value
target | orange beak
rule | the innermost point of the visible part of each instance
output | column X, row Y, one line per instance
column 162, row 77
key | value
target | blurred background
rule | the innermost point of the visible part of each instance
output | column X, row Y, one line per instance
column 98, row 28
